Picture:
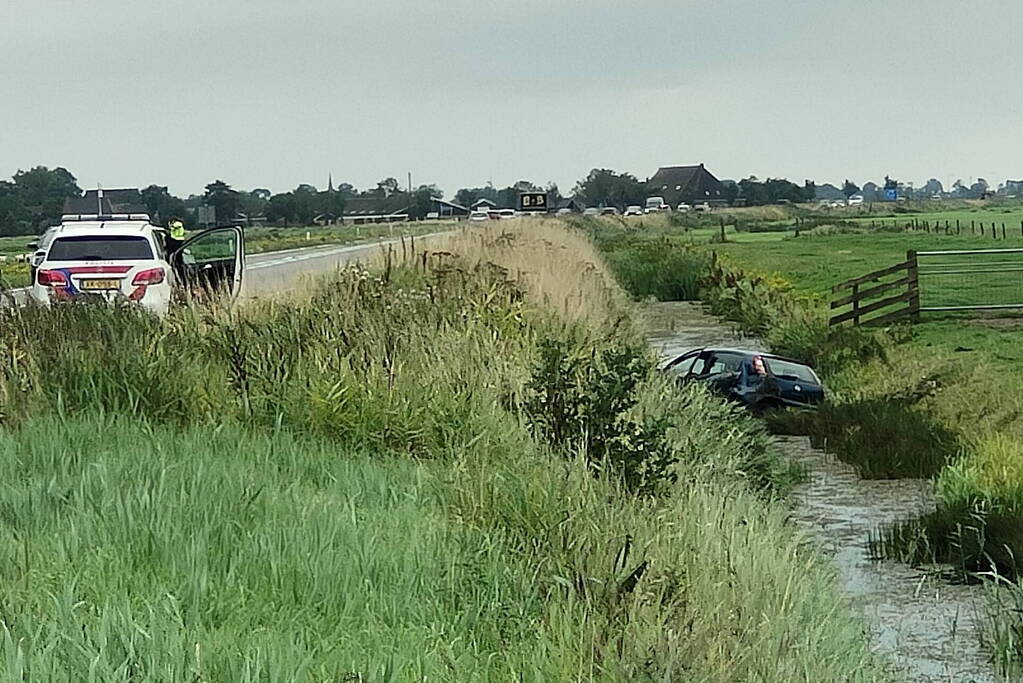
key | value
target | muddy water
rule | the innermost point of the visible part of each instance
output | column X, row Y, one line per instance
column 926, row 626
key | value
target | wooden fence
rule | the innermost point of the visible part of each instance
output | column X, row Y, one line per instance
column 994, row 230
column 862, row 304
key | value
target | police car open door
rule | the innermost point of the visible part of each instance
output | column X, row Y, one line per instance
column 211, row 262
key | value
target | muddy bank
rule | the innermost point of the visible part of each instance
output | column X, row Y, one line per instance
column 927, row 626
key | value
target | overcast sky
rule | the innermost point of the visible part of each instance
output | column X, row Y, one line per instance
column 266, row 93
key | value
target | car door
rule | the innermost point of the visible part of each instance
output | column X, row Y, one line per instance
column 211, row 262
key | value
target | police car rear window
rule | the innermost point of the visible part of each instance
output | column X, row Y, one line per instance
column 100, row 248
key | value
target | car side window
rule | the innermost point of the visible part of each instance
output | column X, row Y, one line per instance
column 683, row 366
column 719, row 363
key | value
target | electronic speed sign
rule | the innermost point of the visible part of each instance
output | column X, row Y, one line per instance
column 533, row 201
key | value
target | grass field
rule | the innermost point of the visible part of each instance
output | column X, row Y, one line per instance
column 445, row 474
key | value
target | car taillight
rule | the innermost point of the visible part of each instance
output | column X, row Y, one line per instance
column 51, row 278
column 150, row 276
column 758, row 365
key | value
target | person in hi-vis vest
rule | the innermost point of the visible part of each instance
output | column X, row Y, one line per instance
column 175, row 234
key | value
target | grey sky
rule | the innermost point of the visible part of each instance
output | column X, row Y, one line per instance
column 269, row 93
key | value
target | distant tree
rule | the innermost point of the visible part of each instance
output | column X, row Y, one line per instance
column 772, row 190
column 849, row 188
column 14, row 217
column 468, row 196
column 42, row 191
column 553, row 194
column 809, row 191
column 332, row 203
column 347, row 190
column 933, row 187
column 729, row 191
column 253, row 203
column 422, row 200
column 281, row 209
column 387, row 187
column 162, row 205
column 604, row 187
column 306, row 205
column 225, row 200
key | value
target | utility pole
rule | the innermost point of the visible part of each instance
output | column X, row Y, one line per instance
column 410, row 182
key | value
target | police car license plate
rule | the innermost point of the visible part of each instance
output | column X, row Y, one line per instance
column 100, row 284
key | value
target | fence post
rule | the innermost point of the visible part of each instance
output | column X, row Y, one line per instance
column 973, row 231
column 913, row 273
column 856, row 305
column 994, row 231
column 1003, row 231
column 957, row 226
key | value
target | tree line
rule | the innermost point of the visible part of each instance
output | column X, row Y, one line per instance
column 33, row 199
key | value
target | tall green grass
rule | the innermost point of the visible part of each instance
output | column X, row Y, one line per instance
column 900, row 407
column 352, row 486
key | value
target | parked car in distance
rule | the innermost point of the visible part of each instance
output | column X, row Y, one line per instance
column 506, row 213
column 591, row 211
column 609, row 211
column 479, row 216
column 701, row 207
column 634, row 210
column 760, row 381
column 855, row 200
column 124, row 258
column 656, row 205
column 683, row 208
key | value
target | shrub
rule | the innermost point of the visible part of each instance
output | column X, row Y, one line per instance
column 579, row 398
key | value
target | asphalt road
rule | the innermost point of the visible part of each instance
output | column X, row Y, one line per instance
column 282, row 270
column 277, row 271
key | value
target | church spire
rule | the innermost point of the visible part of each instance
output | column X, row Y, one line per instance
column 330, row 182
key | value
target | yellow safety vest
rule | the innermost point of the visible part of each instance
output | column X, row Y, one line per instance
column 177, row 230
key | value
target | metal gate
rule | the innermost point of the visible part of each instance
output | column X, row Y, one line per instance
column 970, row 280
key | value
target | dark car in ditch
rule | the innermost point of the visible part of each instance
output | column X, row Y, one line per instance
column 760, row 381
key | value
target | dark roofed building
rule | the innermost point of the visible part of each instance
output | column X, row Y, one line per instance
column 570, row 204
column 689, row 184
column 372, row 209
column 446, row 209
column 127, row 200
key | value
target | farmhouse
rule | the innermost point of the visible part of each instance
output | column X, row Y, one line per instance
column 377, row 209
column 483, row 204
column 689, row 184
column 571, row 204
column 446, row 209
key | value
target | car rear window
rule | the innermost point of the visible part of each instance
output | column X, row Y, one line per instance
column 100, row 248
column 787, row 370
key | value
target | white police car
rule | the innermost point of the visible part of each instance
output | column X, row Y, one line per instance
column 124, row 257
